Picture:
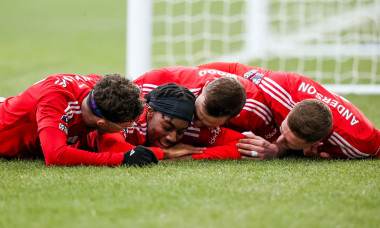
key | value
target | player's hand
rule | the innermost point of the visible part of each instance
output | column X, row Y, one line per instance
column 179, row 150
column 256, row 147
column 314, row 151
column 139, row 156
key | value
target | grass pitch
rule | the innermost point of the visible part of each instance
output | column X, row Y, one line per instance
column 292, row 192
column 40, row 37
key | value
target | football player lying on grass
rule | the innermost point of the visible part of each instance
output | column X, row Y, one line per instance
column 45, row 119
column 164, row 127
column 285, row 111
column 352, row 134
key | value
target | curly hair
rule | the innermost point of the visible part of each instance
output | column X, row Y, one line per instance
column 118, row 98
column 171, row 90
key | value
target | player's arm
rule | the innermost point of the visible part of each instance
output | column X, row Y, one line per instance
column 116, row 142
column 57, row 152
column 221, row 144
column 52, row 132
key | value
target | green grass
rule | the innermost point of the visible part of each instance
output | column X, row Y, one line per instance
column 41, row 37
column 293, row 192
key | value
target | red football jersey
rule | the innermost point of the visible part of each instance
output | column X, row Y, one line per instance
column 46, row 118
column 221, row 142
column 352, row 135
column 256, row 116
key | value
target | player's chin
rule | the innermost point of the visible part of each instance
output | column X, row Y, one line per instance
column 163, row 144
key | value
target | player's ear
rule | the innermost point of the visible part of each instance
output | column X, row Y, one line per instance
column 101, row 122
column 149, row 112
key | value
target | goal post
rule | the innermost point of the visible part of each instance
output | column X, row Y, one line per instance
column 139, row 36
column 335, row 42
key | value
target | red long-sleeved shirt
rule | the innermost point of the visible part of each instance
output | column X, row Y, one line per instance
column 220, row 142
column 352, row 134
column 256, row 116
column 46, row 118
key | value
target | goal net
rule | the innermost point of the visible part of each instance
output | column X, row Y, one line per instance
column 335, row 42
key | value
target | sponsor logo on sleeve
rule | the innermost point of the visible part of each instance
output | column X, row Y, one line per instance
column 63, row 128
column 253, row 76
column 214, row 135
column 65, row 118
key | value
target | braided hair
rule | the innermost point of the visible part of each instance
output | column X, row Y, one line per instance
column 171, row 90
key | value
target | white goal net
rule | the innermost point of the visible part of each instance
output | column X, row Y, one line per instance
column 335, row 42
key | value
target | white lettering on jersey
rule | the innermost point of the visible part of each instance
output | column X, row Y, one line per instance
column 61, row 82
column 270, row 135
column 342, row 110
column 216, row 72
column 67, row 78
column 214, row 135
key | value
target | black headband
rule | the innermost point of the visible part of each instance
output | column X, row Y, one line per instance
column 173, row 107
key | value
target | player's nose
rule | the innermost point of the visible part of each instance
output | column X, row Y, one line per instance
column 172, row 137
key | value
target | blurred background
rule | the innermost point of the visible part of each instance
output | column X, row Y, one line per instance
column 41, row 37
column 331, row 41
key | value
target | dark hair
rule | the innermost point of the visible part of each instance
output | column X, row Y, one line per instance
column 310, row 120
column 224, row 96
column 117, row 98
column 170, row 90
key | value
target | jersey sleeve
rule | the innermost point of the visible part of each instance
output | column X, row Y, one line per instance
column 56, row 112
column 352, row 135
column 57, row 152
column 116, row 143
column 220, row 143
column 345, row 143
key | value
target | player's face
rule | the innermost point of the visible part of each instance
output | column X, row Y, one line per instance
column 289, row 140
column 162, row 131
column 202, row 119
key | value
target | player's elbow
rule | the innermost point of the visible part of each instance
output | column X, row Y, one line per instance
column 54, row 157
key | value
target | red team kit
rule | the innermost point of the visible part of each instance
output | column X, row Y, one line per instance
column 53, row 107
column 270, row 97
